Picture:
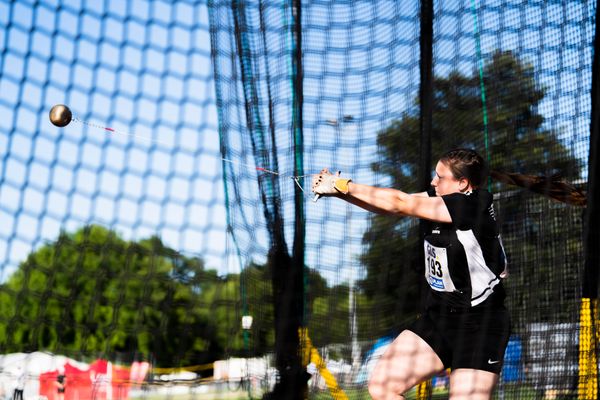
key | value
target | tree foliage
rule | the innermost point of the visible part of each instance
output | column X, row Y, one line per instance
column 95, row 293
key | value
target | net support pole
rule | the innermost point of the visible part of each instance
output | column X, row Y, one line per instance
column 588, row 329
column 288, row 271
column 299, row 374
column 426, row 93
column 425, row 127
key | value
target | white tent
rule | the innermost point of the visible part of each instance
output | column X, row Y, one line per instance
column 35, row 363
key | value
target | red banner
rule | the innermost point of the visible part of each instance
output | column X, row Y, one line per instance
column 102, row 381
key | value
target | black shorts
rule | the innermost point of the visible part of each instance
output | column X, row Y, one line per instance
column 473, row 339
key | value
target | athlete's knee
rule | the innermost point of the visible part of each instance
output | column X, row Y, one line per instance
column 378, row 390
column 382, row 389
column 472, row 384
column 375, row 390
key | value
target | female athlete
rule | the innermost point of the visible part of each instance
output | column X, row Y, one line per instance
column 464, row 325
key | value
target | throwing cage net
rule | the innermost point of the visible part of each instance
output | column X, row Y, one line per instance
column 177, row 202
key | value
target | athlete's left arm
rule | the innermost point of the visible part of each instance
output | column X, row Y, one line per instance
column 397, row 202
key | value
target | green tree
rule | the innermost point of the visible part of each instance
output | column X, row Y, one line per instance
column 517, row 142
column 95, row 293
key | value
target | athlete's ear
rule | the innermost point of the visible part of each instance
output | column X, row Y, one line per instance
column 463, row 184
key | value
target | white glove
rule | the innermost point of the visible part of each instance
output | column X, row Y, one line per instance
column 327, row 184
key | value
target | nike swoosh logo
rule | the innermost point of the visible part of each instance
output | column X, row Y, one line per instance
column 493, row 362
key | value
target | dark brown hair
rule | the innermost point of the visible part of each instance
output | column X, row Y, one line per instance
column 468, row 164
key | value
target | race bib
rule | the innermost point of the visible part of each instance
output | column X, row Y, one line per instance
column 436, row 268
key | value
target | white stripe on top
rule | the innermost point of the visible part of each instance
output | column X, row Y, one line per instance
column 483, row 279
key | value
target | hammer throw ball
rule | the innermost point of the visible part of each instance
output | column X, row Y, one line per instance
column 60, row 115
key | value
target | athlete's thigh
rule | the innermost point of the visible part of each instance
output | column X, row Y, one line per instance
column 406, row 362
column 472, row 384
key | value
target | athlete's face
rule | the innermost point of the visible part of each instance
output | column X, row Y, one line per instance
column 445, row 183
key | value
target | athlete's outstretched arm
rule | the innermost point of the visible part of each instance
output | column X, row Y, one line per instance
column 381, row 200
column 396, row 202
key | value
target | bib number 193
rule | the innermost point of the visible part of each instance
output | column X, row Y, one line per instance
column 436, row 268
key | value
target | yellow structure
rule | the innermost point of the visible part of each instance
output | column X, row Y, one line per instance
column 588, row 338
column 311, row 355
column 424, row 390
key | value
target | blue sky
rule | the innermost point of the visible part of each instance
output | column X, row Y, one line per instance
column 143, row 67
